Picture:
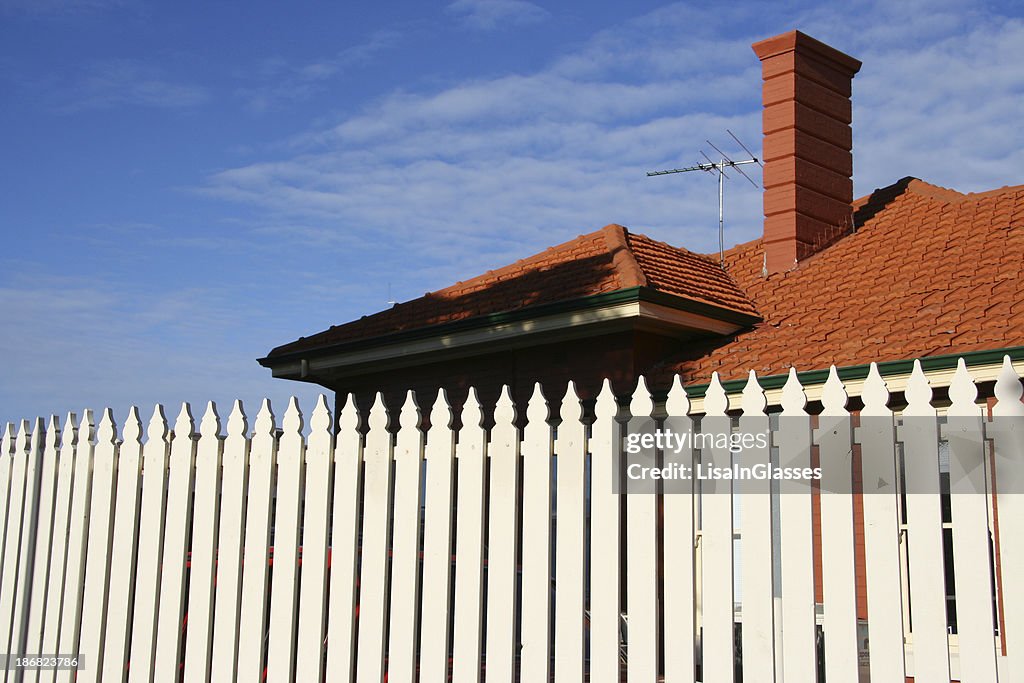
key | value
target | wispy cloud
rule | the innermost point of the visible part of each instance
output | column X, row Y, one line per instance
column 130, row 82
column 282, row 83
column 488, row 15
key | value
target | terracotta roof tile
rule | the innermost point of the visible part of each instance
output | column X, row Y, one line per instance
column 928, row 271
column 602, row 261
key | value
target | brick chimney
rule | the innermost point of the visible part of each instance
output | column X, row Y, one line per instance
column 808, row 186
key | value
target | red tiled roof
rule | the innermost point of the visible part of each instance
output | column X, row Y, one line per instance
column 603, row 261
column 929, row 271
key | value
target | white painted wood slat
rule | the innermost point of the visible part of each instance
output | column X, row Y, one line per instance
column 435, row 632
column 756, row 543
column 642, row 559
column 797, row 537
column 605, row 549
column 570, row 562
column 155, row 454
column 503, row 518
column 287, row 518
column 405, row 557
column 839, row 583
column 344, row 546
column 537, row 464
column 680, row 527
column 972, row 566
column 467, row 633
column 919, row 433
column 717, row 547
column 309, row 662
column 877, row 436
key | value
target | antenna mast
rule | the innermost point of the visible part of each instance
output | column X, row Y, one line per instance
column 719, row 168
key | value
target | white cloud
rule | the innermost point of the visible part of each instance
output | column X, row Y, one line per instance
column 488, row 15
column 130, row 82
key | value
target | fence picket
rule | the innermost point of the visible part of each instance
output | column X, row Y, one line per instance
column 373, row 573
column 97, row 557
column 919, row 433
column 641, row 565
column 435, row 634
column 467, row 634
column 716, row 544
column 255, row 572
column 147, row 569
column 797, row 537
column 536, row 630
column 123, row 551
column 61, row 524
column 502, row 534
column 570, row 539
column 78, row 537
column 1008, row 440
column 203, row 556
column 877, row 436
column 12, row 538
column 287, row 518
column 6, row 460
column 309, row 664
column 341, row 612
column 839, row 583
column 43, row 548
column 757, row 570
column 972, row 567
column 224, row 662
column 405, row 557
column 680, row 614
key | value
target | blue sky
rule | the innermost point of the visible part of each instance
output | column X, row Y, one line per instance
column 184, row 186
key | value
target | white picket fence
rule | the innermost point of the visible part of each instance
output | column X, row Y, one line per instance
column 429, row 554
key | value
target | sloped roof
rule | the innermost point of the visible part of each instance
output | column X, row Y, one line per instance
column 603, row 261
column 929, row 271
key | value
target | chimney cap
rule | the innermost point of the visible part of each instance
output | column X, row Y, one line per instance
column 793, row 41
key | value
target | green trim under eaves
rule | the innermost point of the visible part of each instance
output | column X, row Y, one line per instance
column 859, row 372
column 619, row 296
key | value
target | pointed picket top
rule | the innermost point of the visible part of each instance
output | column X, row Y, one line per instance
column 53, row 433
column 238, row 423
column 209, row 427
column 716, row 402
column 833, row 394
column 264, row 420
column 753, row 401
column 1008, row 391
column 472, row 415
column 69, row 435
column 378, row 419
column 320, row 420
column 107, row 431
column 24, row 435
column 441, row 415
column 537, row 410
column 157, row 428
column 875, row 394
column 963, row 394
column 607, row 407
column 571, row 408
column 292, row 422
column 8, row 440
column 678, row 403
column 794, row 400
column 184, row 426
column 505, row 408
column 132, row 430
column 918, row 393
column 348, row 421
column 410, row 416
column 641, row 405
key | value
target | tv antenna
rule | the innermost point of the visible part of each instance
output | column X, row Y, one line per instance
column 719, row 167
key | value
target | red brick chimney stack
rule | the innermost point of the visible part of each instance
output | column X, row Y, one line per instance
column 808, row 185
